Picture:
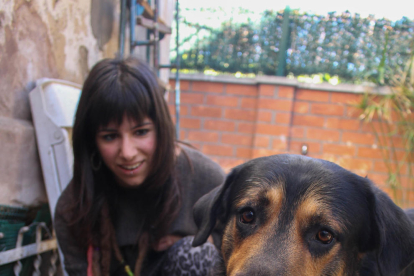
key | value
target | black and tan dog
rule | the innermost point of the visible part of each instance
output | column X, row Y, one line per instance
column 295, row 215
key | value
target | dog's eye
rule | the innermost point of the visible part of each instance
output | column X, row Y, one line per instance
column 324, row 236
column 247, row 216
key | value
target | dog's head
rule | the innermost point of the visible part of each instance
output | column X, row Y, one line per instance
column 295, row 215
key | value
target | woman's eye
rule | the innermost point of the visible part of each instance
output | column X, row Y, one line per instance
column 142, row 132
column 109, row 137
column 324, row 236
column 247, row 216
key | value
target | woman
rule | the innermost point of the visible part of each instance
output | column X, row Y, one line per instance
column 128, row 208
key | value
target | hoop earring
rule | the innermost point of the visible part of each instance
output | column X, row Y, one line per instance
column 95, row 166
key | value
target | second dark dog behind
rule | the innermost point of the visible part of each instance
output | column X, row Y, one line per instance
column 295, row 215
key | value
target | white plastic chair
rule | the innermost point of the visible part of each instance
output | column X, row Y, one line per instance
column 53, row 103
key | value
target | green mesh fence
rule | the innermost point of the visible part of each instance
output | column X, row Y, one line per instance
column 354, row 48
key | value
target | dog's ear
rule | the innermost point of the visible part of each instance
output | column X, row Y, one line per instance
column 391, row 235
column 209, row 207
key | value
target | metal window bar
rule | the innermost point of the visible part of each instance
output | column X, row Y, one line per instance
column 155, row 32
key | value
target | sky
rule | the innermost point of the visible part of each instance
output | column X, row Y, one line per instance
column 393, row 10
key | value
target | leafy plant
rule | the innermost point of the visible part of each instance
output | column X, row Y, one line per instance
column 391, row 117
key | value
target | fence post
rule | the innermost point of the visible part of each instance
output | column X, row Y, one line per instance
column 281, row 65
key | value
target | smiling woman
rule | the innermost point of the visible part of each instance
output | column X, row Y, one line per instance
column 127, row 150
column 129, row 202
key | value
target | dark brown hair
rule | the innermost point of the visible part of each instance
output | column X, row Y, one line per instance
column 113, row 89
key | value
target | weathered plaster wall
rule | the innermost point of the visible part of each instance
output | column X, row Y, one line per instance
column 42, row 38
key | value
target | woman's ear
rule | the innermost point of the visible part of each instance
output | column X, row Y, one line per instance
column 209, row 207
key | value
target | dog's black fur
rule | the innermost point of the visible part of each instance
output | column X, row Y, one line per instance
column 276, row 215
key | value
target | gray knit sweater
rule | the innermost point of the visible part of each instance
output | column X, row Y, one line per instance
column 196, row 179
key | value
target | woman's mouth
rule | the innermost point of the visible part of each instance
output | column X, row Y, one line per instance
column 131, row 168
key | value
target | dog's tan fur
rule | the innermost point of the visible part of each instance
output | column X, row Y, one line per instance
column 307, row 217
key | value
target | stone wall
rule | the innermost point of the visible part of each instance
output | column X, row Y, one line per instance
column 46, row 38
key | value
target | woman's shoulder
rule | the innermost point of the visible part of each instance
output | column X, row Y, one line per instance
column 195, row 165
column 197, row 159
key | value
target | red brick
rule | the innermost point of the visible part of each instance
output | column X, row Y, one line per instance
column 286, row 92
column 297, row 132
column 398, row 142
column 238, row 114
column 203, row 136
column 246, row 128
column 394, row 141
column 312, row 95
column 328, row 157
column 205, row 111
column 401, row 155
column 248, row 102
column 301, row 107
column 406, row 182
column 385, row 167
column 222, row 100
column 264, row 116
column 323, row 134
column 266, row 90
column 308, row 120
column 201, row 86
column 358, row 138
column 236, row 139
column 182, row 135
column 280, row 105
column 171, row 98
column 296, row 147
column 261, row 141
column 356, row 165
column 371, row 126
column 345, row 98
column 218, row 150
column 346, row 124
column 190, row 123
column 272, row 129
column 198, row 146
column 410, row 200
column 241, row 89
column 192, row 98
column 244, row 153
column 229, row 163
column 339, row 149
column 279, row 144
column 184, row 85
column 369, row 153
column 183, row 110
column 352, row 112
column 378, row 179
column 283, row 118
column 264, row 152
column 327, row 109
column 219, row 125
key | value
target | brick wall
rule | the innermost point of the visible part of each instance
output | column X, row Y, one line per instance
column 234, row 120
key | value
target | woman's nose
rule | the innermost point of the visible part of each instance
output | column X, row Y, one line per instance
column 128, row 149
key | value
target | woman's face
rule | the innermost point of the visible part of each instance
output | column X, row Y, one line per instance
column 127, row 150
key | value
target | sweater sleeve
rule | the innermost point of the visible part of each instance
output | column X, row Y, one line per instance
column 75, row 260
column 197, row 175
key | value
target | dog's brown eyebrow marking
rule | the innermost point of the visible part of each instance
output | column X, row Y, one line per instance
column 314, row 204
column 253, row 245
column 258, row 190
